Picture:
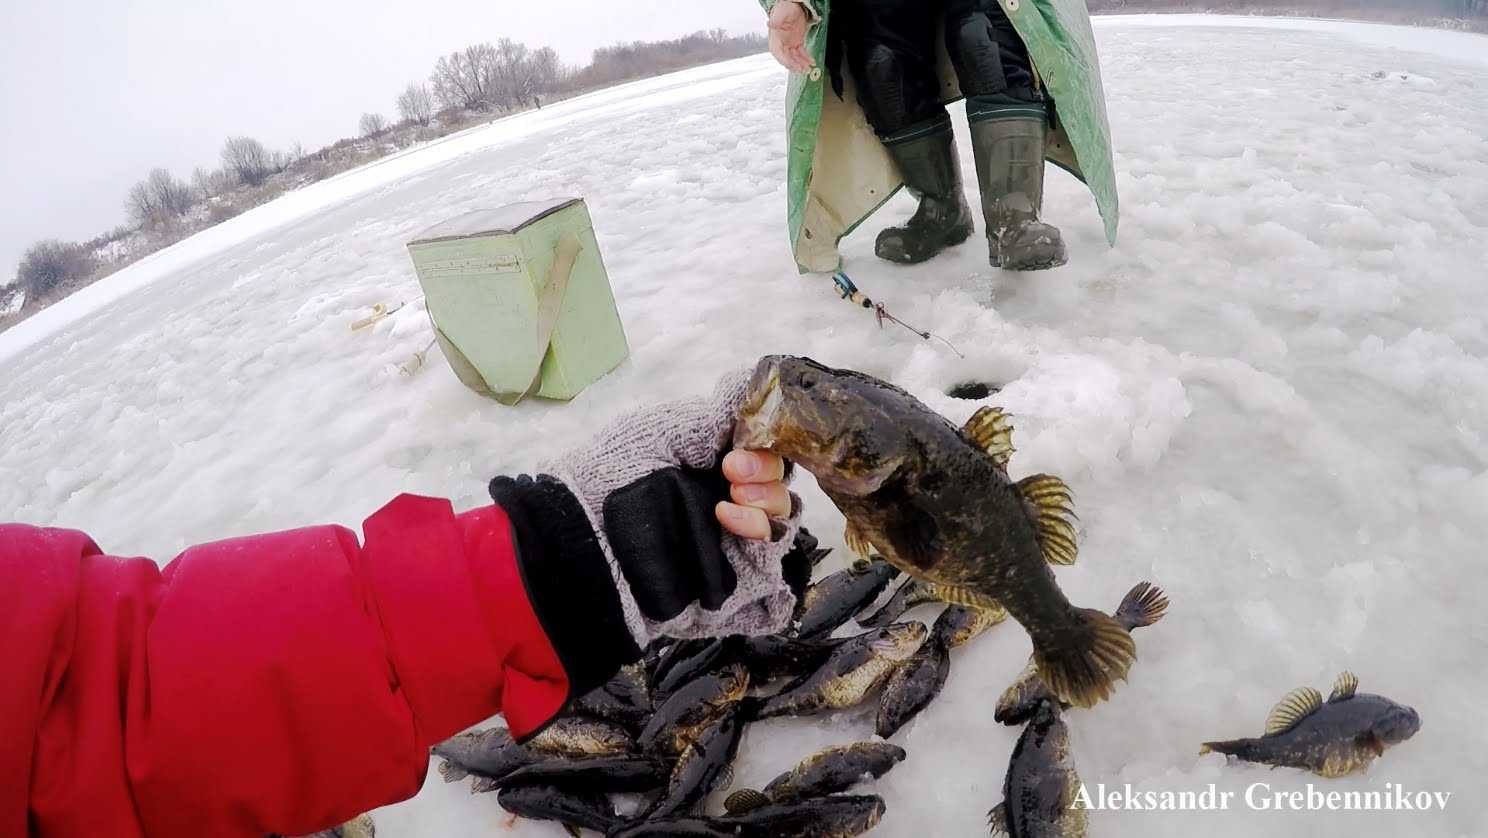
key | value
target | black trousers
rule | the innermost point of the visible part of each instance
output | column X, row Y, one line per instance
column 890, row 47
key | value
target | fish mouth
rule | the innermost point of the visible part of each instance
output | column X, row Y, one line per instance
column 756, row 426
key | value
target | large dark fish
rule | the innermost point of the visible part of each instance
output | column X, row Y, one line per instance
column 692, row 707
column 825, row 772
column 486, row 753
column 573, row 809
column 837, row 816
column 917, row 681
column 937, row 502
column 631, row 773
column 581, row 736
column 1039, row 793
column 1330, row 738
column 850, row 674
column 706, row 765
column 830, row 602
column 1143, row 605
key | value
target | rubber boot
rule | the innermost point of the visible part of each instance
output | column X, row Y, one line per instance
column 931, row 171
column 1008, row 143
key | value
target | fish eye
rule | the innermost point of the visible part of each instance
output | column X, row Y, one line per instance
column 806, row 381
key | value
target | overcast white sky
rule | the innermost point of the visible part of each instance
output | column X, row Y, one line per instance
column 95, row 93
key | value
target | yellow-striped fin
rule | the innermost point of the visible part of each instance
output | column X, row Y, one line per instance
column 1054, row 514
column 1293, row 708
column 1345, row 686
column 857, row 543
column 360, row 826
column 990, row 430
column 956, row 595
column 745, row 800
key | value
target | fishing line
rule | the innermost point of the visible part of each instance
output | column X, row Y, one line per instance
column 847, row 290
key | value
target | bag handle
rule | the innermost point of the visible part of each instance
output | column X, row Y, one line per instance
column 549, row 305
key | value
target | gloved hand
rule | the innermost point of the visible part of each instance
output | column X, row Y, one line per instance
column 620, row 541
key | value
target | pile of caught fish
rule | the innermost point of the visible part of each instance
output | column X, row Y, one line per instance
column 662, row 735
column 642, row 755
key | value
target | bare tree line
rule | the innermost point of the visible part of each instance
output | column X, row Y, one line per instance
column 465, row 87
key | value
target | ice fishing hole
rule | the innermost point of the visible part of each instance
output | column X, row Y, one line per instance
column 972, row 390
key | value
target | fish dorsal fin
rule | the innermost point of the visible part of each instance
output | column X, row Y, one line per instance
column 990, row 430
column 1344, row 687
column 997, row 822
column 1050, row 504
column 745, row 800
column 957, row 595
column 1293, row 708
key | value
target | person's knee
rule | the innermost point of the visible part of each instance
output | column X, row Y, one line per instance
column 975, row 53
column 884, row 89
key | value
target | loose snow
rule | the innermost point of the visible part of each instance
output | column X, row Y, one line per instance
column 1271, row 398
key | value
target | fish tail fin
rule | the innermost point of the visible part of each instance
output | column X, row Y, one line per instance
column 1083, row 671
column 1223, row 746
column 745, row 800
column 1143, row 605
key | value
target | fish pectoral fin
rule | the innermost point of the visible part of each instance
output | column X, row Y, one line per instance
column 572, row 830
column 1344, row 687
column 997, row 821
column 857, row 543
column 451, row 771
column 1050, row 505
column 990, row 430
column 1293, row 708
column 1371, row 743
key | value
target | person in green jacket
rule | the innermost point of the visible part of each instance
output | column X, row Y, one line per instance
column 890, row 48
column 890, row 52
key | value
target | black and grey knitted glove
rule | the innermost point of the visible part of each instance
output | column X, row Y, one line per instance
column 618, row 543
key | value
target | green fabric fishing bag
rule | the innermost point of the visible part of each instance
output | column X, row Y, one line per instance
column 520, row 300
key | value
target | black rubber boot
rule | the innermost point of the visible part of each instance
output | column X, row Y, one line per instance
column 1007, row 139
column 927, row 160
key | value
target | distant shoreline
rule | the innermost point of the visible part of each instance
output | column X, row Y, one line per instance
column 1395, row 17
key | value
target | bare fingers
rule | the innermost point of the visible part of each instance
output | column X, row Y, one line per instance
column 743, row 521
column 743, row 466
column 757, row 491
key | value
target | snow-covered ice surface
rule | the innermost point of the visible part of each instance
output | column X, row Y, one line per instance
column 1271, row 398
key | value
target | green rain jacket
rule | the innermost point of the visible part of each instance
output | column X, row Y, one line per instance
column 838, row 172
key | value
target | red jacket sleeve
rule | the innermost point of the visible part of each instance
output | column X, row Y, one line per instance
column 276, row 683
